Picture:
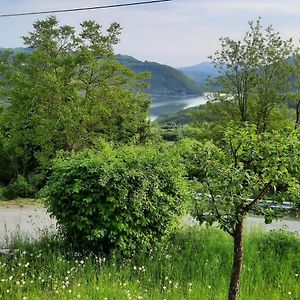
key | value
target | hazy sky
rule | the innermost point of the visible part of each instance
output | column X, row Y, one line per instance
column 178, row 33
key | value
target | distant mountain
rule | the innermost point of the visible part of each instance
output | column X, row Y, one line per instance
column 166, row 83
column 199, row 73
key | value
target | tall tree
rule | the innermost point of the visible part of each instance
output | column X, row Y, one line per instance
column 68, row 93
column 254, row 73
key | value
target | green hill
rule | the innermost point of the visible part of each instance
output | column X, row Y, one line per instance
column 166, row 83
column 181, row 117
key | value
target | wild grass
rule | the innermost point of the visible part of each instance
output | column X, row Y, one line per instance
column 192, row 264
column 20, row 202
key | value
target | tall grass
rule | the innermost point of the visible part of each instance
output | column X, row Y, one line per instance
column 194, row 263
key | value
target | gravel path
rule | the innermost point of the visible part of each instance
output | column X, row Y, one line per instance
column 31, row 222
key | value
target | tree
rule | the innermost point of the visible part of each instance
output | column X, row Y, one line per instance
column 295, row 96
column 235, row 178
column 254, row 74
column 68, row 93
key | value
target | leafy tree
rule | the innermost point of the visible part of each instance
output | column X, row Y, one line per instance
column 117, row 199
column 295, row 95
column 234, row 179
column 69, row 93
column 254, row 75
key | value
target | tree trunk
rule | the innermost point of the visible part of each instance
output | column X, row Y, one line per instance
column 297, row 114
column 237, row 262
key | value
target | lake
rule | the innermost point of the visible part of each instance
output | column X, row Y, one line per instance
column 175, row 104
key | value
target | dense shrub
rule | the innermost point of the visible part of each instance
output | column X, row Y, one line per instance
column 116, row 199
column 19, row 188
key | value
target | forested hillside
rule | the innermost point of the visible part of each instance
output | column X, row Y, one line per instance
column 166, row 82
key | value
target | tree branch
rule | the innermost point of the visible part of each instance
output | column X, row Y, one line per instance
column 262, row 193
column 219, row 216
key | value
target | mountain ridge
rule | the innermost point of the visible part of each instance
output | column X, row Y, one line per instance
column 200, row 73
column 166, row 82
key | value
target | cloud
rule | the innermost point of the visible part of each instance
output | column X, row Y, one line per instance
column 223, row 7
column 179, row 33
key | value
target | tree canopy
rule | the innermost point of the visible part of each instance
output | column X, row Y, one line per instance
column 68, row 93
column 254, row 75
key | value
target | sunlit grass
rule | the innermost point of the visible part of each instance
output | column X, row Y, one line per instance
column 21, row 202
column 193, row 264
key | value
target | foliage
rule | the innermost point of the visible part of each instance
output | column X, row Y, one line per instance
column 233, row 175
column 234, row 178
column 6, row 166
column 181, row 117
column 294, row 97
column 123, row 198
column 254, row 74
column 67, row 94
column 20, row 187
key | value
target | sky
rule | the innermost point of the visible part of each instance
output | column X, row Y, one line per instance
column 177, row 33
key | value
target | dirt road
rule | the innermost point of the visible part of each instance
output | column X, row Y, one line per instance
column 32, row 221
column 29, row 222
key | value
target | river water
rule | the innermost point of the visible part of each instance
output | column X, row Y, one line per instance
column 175, row 104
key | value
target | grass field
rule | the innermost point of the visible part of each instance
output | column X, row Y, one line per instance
column 193, row 264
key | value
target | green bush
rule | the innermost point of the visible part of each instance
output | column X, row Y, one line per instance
column 2, row 191
column 19, row 188
column 116, row 199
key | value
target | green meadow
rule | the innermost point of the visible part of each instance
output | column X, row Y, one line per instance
column 193, row 263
